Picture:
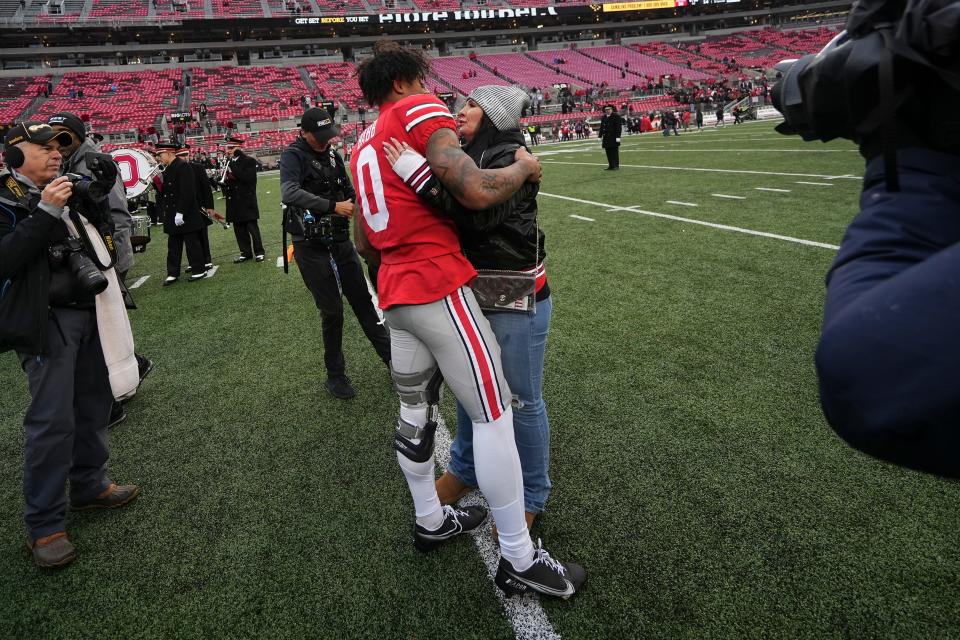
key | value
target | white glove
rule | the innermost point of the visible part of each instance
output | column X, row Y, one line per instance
column 618, row 140
column 178, row 220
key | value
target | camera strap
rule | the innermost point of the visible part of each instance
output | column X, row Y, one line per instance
column 15, row 187
column 88, row 247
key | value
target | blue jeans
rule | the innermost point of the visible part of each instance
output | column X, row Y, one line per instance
column 523, row 341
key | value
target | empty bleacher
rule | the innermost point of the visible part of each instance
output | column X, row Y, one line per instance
column 453, row 69
column 140, row 100
column 120, row 9
column 249, row 93
column 336, row 81
column 525, row 71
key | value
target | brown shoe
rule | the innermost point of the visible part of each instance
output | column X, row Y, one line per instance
column 113, row 498
column 530, row 517
column 450, row 488
column 53, row 551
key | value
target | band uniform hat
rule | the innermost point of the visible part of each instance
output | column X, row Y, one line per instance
column 234, row 140
column 70, row 121
column 503, row 105
column 320, row 123
column 165, row 146
column 35, row 132
column 183, row 150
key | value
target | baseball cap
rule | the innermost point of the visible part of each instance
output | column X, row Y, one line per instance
column 320, row 123
column 71, row 122
column 35, row 132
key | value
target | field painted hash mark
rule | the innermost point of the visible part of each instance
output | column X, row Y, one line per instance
column 713, row 225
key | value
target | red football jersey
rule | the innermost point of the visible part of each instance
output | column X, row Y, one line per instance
column 421, row 260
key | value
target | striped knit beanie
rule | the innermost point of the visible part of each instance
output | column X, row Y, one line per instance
column 503, row 105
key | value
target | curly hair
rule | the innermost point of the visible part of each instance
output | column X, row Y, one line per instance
column 390, row 62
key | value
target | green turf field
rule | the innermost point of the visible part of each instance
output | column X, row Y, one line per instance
column 694, row 476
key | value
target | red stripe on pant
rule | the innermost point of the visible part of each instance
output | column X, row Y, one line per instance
column 488, row 382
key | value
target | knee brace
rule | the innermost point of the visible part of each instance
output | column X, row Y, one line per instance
column 418, row 388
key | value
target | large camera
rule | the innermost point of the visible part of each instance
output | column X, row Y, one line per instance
column 90, row 192
column 71, row 252
column 884, row 61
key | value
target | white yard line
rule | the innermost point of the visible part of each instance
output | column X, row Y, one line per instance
column 723, row 195
column 140, row 281
column 683, row 204
column 582, row 218
column 772, row 189
column 724, row 227
column 529, row 620
column 816, row 184
column 742, row 171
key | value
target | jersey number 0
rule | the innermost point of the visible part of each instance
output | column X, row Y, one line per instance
column 371, row 184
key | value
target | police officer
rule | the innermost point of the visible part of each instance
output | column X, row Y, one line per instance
column 51, row 321
column 314, row 185
column 240, row 191
column 180, row 212
column 611, row 127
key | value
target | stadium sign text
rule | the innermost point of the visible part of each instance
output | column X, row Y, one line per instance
column 435, row 16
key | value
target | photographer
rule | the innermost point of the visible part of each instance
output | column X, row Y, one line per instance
column 53, row 299
column 74, row 155
column 889, row 357
column 319, row 198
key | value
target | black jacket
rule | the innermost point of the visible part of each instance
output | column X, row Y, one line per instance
column 26, row 274
column 611, row 127
column 204, row 190
column 179, row 195
column 505, row 236
column 311, row 180
column 241, row 191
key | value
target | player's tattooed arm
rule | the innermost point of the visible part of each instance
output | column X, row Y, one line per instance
column 475, row 188
column 364, row 248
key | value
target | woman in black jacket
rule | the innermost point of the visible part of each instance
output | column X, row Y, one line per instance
column 507, row 239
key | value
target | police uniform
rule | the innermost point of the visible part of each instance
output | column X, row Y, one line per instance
column 314, row 181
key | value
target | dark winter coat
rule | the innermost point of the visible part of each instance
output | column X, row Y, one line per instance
column 179, row 195
column 241, row 191
column 611, row 127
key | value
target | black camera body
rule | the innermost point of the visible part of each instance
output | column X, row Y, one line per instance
column 856, row 85
column 87, row 275
column 90, row 192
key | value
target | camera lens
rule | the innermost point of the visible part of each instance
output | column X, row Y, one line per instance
column 91, row 279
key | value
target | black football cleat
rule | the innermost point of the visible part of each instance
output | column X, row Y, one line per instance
column 546, row 576
column 340, row 387
column 455, row 522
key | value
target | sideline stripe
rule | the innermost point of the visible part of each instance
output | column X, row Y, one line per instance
column 582, row 218
column 684, row 204
column 772, row 189
column 280, row 261
column 724, row 227
column 526, row 615
column 723, row 195
column 817, row 184
column 744, row 171
column 140, row 281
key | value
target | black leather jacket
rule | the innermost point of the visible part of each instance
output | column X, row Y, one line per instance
column 505, row 236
